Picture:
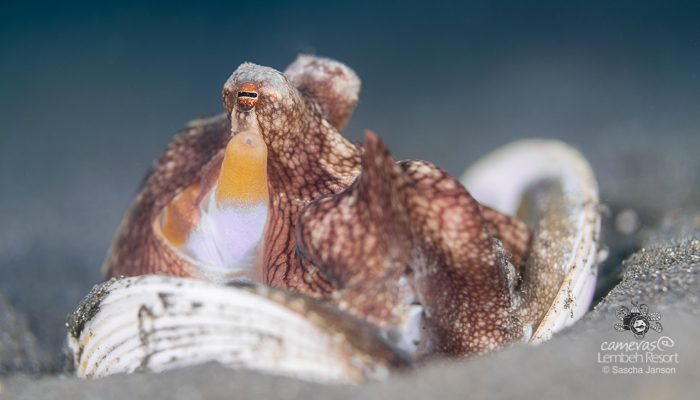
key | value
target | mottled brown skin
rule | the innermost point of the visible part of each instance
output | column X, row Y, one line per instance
column 333, row 233
column 458, row 273
column 334, row 86
column 414, row 220
column 359, row 241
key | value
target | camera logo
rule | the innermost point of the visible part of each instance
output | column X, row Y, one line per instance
column 638, row 320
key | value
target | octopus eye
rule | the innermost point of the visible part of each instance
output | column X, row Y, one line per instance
column 247, row 96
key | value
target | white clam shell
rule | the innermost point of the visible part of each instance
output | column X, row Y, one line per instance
column 155, row 323
column 552, row 187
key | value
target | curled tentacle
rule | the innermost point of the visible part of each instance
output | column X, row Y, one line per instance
column 335, row 86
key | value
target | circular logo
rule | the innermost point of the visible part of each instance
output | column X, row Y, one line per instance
column 639, row 324
column 638, row 320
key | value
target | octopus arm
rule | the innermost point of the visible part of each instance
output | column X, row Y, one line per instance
column 412, row 222
column 335, row 86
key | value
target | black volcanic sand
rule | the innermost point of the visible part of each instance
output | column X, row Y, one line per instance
column 663, row 274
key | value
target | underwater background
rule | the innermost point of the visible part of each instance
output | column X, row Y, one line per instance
column 91, row 93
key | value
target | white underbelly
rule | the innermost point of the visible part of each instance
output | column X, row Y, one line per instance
column 227, row 240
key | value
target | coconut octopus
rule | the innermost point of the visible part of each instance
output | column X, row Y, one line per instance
column 266, row 225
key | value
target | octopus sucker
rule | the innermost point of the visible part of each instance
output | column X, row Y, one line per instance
column 285, row 248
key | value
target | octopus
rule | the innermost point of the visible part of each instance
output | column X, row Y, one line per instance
column 272, row 193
